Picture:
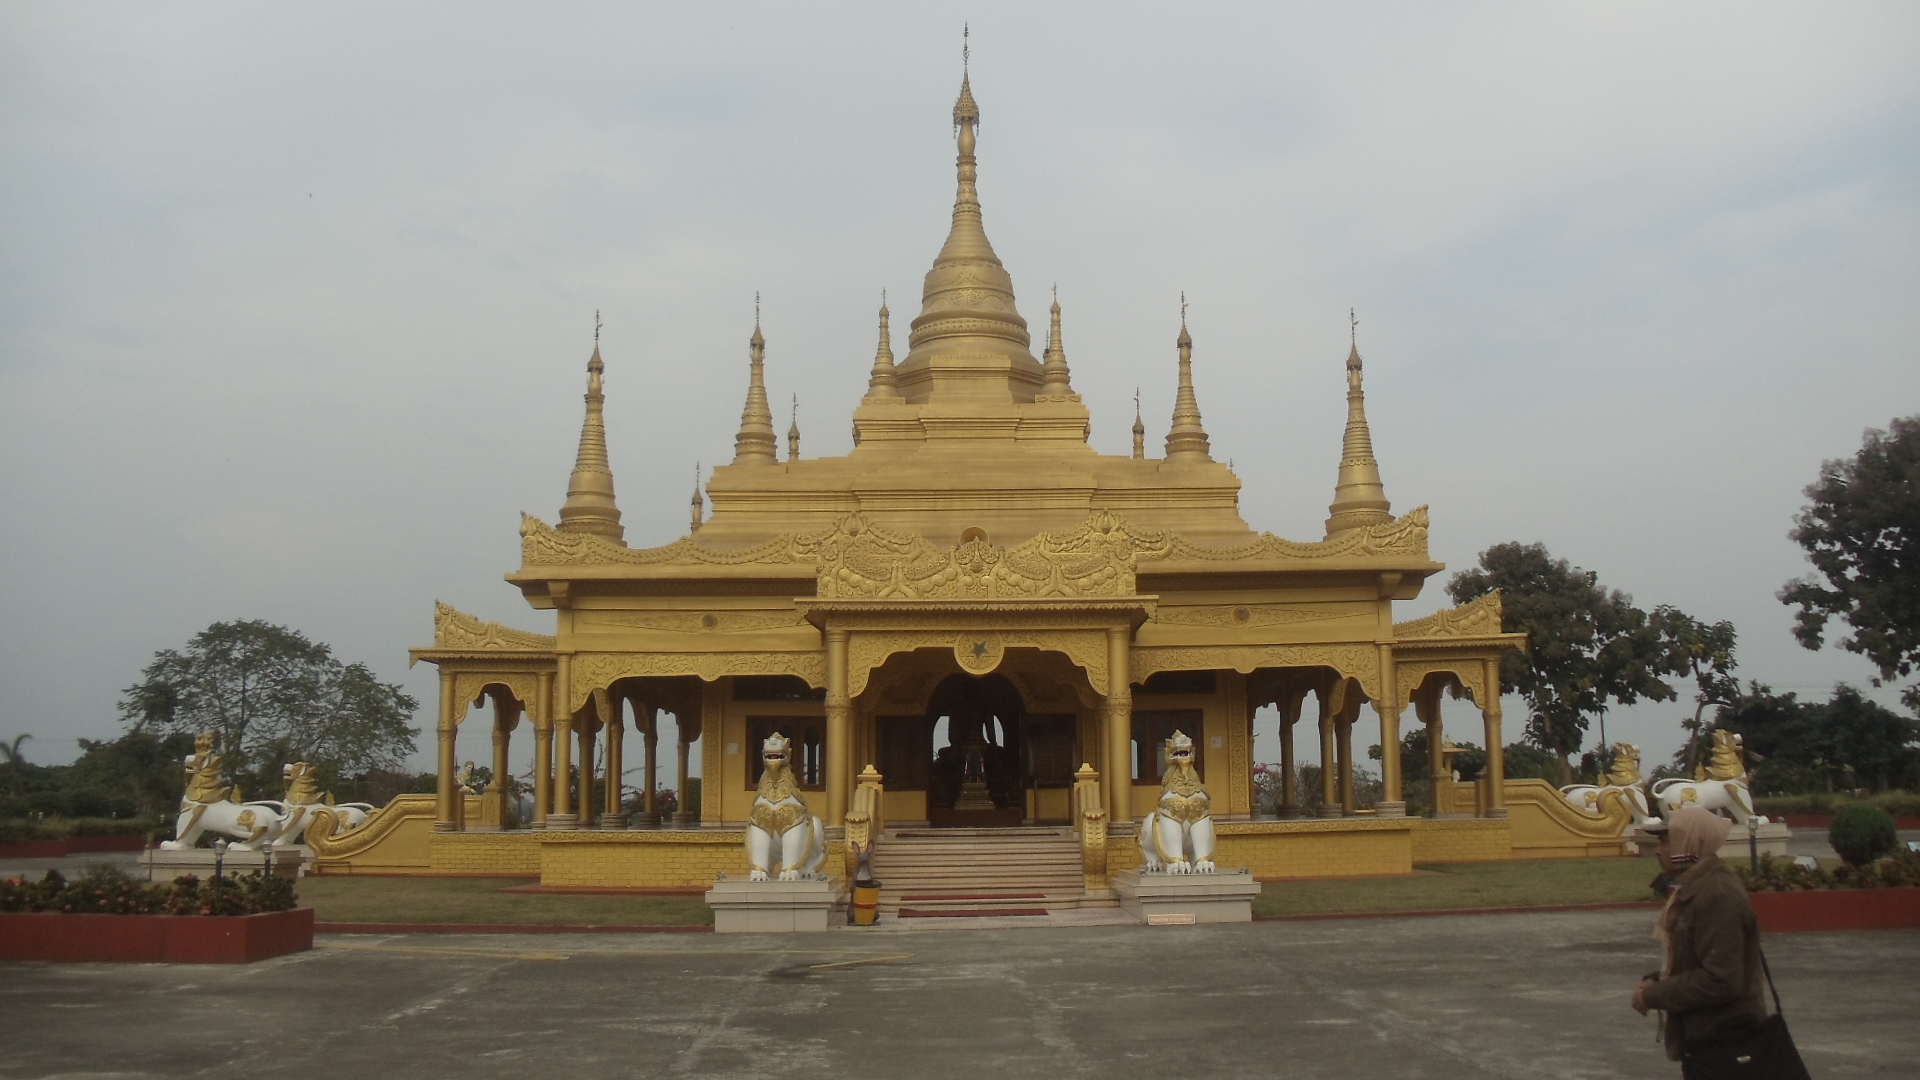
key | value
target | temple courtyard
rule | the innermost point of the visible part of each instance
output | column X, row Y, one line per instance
column 1517, row 995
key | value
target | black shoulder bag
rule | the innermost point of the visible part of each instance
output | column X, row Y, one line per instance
column 1763, row 1051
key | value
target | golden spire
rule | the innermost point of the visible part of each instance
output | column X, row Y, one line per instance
column 1186, row 439
column 699, row 504
column 1359, row 498
column 1139, row 428
column 968, row 341
column 756, row 445
column 590, row 507
column 793, row 432
column 880, row 384
column 1054, row 367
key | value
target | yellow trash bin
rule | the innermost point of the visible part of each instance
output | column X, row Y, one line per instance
column 866, row 903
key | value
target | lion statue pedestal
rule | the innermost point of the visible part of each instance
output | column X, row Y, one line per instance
column 784, row 892
column 1179, row 884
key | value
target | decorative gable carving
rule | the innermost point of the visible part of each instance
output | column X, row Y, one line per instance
column 1475, row 618
column 455, row 629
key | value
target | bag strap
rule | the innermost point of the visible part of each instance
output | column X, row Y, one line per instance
column 1769, row 972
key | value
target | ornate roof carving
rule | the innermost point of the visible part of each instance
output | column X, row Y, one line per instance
column 1475, row 618
column 858, row 558
column 1402, row 536
column 455, row 629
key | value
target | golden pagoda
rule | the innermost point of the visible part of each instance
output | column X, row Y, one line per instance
column 971, row 619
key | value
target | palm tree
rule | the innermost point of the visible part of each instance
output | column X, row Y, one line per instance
column 13, row 759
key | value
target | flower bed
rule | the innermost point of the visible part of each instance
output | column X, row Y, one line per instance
column 154, row 939
column 1836, row 909
column 107, row 915
column 1788, row 897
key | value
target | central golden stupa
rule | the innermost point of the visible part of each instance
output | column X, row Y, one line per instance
column 973, row 614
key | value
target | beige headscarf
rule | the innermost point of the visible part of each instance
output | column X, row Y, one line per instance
column 1695, row 833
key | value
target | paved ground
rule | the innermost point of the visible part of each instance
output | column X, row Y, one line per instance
column 1530, row 996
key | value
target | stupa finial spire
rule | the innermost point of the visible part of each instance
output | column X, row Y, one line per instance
column 590, row 505
column 1057, row 380
column 699, row 504
column 756, row 444
column 793, row 432
column 881, row 384
column 1359, row 497
column 1186, row 439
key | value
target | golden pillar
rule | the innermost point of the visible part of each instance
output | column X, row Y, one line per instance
column 1426, row 709
column 1496, row 771
column 1119, row 734
column 686, row 814
column 1290, row 705
column 1343, row 750
column 588, row 727
column 444, row 810
column 614, row 816
column 543, row 753
column 839, row 729
column 1329, row 757
column 648, row 717
column 1393, row 798
column 562, row 816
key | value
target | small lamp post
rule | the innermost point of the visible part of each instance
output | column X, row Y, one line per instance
column 219, row 858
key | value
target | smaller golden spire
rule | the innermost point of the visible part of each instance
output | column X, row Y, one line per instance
column 755, row 444
column 1139, row 428
column 793, row 432
column 699, row 504
column 1359, row 497
column 881, row 384
column 590, row 506
column 1058, row 381
column 1186, row 439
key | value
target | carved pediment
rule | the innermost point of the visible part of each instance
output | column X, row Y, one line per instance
column 862, row 560
column 455, row 629
column 1475, row 618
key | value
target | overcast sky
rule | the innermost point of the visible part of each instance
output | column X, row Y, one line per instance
column 295, row 299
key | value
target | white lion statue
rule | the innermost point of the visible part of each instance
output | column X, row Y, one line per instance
column 1624, row 777
column 781, row 825
column 1177, row 837
column 211, row 805
column 303, row 798
column 1721, row 786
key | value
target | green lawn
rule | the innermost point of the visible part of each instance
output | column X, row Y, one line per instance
column 480, row 900
column 1468, row 885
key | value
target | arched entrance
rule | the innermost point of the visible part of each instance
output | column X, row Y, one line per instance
column 981, row 757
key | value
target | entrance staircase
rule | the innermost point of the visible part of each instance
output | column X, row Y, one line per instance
column 931, row 873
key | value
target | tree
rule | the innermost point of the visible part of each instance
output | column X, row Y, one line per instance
column 1588, row 647
column 14, row 760
column 270, row 696
column 1861, row 531
column 1796, row 747
column 137, row 774
column 1706, row 653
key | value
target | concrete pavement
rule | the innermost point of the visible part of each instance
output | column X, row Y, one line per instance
column 1537, row 995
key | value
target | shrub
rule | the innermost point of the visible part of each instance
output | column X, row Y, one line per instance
column 1862, row 832
column 108, row 890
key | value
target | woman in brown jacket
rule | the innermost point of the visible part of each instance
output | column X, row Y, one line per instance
column 1709, row 986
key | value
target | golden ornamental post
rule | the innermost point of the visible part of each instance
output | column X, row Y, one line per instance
column 839, row 726
column 443, row 810
column 1119, row 727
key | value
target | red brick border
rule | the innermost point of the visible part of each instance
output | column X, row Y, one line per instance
column 495, row 928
